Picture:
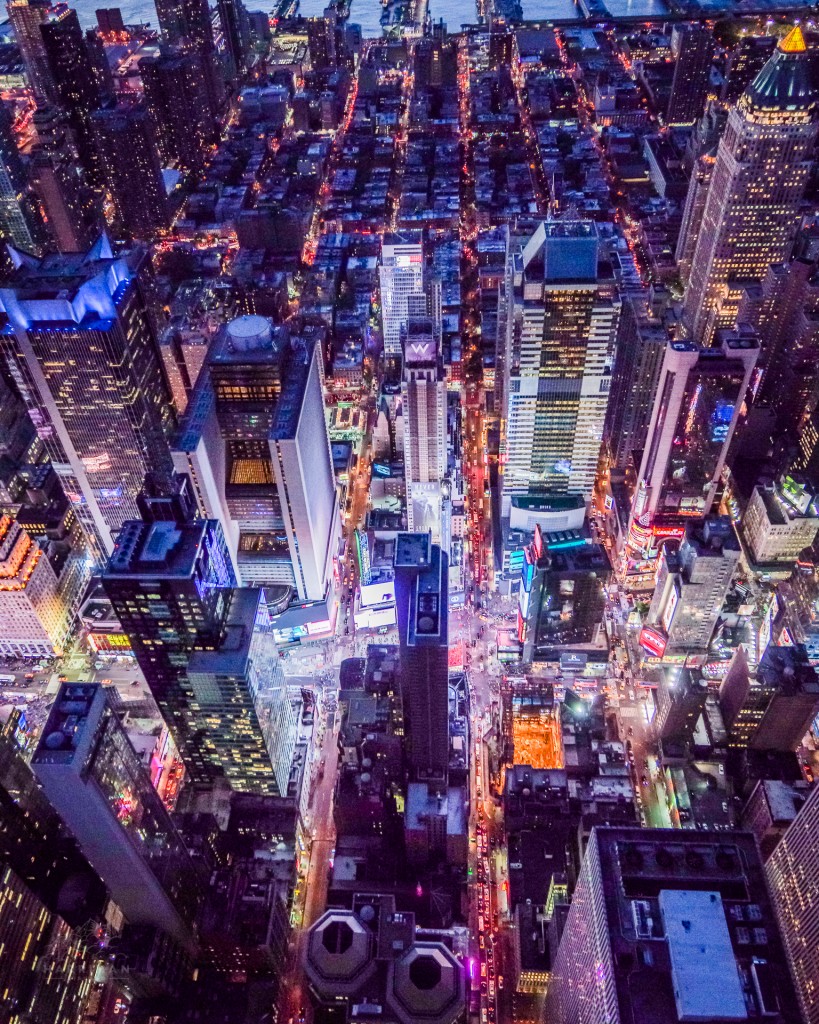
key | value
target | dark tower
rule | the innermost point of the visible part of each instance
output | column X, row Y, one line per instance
column 127, row 149
column 693, row 50
column 177, row 96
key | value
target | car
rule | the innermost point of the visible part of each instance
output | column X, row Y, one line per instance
column 500, row 981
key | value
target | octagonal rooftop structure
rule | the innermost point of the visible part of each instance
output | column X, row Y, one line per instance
column 426, row 985
column 339, row 955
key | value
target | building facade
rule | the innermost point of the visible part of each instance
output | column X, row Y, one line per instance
column 565, row 313
column 752, row 211
column 81, row 347
column 401, row 274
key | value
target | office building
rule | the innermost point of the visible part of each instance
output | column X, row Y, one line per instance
column 50, row 901
column 127, row 148
column 771, row 809
column 793, row 877
column 72, row 210
column 641, row 343
column 692, row 584
column 696, row 408
column 422, row 609
column 177, row 96
column 96, row 782
column 565, row 314
column 205, row 647
column 21, row 222
column 235, row 33
column 781, row 520
column 35, row 611
column 81, row 347
column 369, row 955
column 745, row 61
column 401, row 274
column 321, row 41
column 681, row 697
column 693, row 210
column 561, row 599
column 783, row 310
column 26, row 17
column 692, row 50
column 255, row 444
column 76, row 83
column 671, row 925
column 423, row 398
column 752, row 211
column 771, row 706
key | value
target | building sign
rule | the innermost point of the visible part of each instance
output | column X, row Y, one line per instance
column 653, row 641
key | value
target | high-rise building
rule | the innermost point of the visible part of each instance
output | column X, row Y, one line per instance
column 697, row 404
column 769, row 706
column 51, row 902
column 752, row 211
column 422, row 609
column 641, row 343
column 80, row 345
column 206, row 648
column 673, row 925
column 177, row 96
column 693, row 210
column 401, row 274
column 127, row 148
column 235, row 33
column 21, row 222
column 35, row 614
column 692, row 583
column 784, row 311
column 793, row 878
column 26, row 17
column 76, row 82
column 781, row 520
column 561, row 599
column 255, row 444
column 745, row 61
column 423, row 396
column 692, row 49
column 98, row 785
column 187, row 23
column 565, row 314
column 321, row 41
column 73, row 212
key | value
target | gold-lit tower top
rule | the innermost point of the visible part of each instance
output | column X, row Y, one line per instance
column 793, row 42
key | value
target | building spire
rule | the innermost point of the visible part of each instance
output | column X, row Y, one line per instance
column 793, row 42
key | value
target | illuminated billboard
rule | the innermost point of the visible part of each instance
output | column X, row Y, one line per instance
column 373, row 594
column 653, row 641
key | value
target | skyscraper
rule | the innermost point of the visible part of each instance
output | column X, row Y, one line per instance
column 177, row 97
column 793, row 878
column 81, row 347
column 698, row 400
column 76, row 83
column 673, row 925
column 235, row 32
column 693, row 210
column 20, row 220
column 692, row 583
column 565, row 314
column 73, row 211
column 255, row 443
column 746, row 60
column 321, row 41
column 95, row 779
column 423, row 396
column 692, row 48
column 752, row 211
column 205, row 646
column 187, row 23
column 35, row 617
column 26, row 17
column 422, row 609
column 127, row 149
column 641, row 343
column 401, row 274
